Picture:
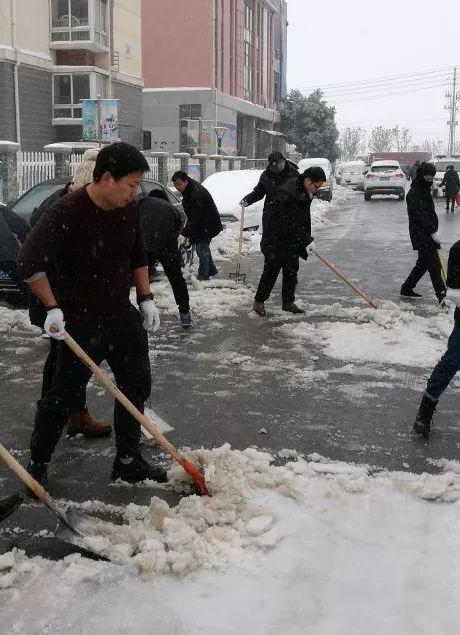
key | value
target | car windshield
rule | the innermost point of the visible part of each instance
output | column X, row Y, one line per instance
column 385, row 168
column 35, row 197
column 441, row 166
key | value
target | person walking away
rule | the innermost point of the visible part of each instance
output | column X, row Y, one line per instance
column 451, row 182
column 203, row 221
column 449, row 364
column 13, row 233
column 278, row 171
column 93, row 241
column 161, row 224
column 81, row 421
column 413, row 170
column 424, row 236
column 286, row 237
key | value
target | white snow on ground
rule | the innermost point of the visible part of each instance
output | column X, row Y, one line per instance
column 389, row 335
column 15, row 319
column 309, row 547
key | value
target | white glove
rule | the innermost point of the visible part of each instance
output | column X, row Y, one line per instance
column 436, row 237
column 182, row 241
column 55, row 319
column 311, row 248
column 454, row 296
column 151, row 315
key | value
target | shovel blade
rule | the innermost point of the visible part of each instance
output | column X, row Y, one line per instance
column 79, row 529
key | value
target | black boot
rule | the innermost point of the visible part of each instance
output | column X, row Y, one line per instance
column 409, row 294
column 39, row 471
column 9, row 505
column 424, row 417
column 134, row 469
column 292, row 308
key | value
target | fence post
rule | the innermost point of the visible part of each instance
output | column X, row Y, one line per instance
column 162, row 166
column 9, row 169
column 202, row 160
column 242, row 160
column 231, row 163
column 217, row 158
column 62, row 166
column 184, row 159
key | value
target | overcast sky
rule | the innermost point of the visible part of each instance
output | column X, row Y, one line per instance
column 339, row 42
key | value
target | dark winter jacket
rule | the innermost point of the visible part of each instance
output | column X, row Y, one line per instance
column 269, row 183
column 453, row 272
column 37, row 312
column 287, row 221
column 160, row 223
column 13, row 232
column 451, row 182
column 423, row 220
column 203, row 220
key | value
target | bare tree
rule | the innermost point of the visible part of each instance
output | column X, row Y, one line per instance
column 351, row 142
column 381, row 139
column 402, row 138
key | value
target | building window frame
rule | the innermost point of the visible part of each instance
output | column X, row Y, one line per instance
column 69, row 33
column 248, row 52
column 98, row 85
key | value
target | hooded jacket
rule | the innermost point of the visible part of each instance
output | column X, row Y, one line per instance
column 423, row 220
column 203, row 220
column 269, row 182
column 160, row 223
column 451, row 182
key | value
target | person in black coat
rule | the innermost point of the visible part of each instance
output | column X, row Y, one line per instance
column 13, row 232
column 203, row 220
column 161, row 224
column 279, row 170
column 449, row 364
column 286, row 237
column 423, row 231
column 451, row 182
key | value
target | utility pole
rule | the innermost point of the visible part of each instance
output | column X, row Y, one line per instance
column 453, row 96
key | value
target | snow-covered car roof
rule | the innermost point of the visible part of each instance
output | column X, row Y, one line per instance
column 352, row 164
column 228, row 188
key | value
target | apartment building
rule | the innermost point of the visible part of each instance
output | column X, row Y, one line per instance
column 213, row 68
column 54, row 53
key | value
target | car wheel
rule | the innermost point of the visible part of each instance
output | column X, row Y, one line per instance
column 367, row 196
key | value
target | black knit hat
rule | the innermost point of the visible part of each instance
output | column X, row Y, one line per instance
column 275, row 157
column 426, row 169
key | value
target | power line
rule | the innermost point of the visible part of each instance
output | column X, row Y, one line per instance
column 383, row 95
column 376, row 89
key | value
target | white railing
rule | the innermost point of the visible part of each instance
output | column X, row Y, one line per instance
column 75, row 160
column 153, row 165
column 34, row 167
column 174, row 165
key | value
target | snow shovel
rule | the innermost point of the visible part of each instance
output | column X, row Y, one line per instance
column 142, row 419
column 355, row 288
column 74, row 527
column 443, row 266
column 238, row 276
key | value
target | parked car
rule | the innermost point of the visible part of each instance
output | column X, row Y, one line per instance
column 326, row 192
column 441, row 167
column 353, row 174
column 338, row 173
column 25, row 205
column 227, row 190
column 33, row 198
column 385, row 177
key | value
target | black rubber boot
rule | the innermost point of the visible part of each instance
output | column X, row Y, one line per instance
column 422, row 423
column 259, row 308
column 292, row 308
column 134, row 469
column 410, row 294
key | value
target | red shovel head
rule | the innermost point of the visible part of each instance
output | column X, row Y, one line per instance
column 197, row 477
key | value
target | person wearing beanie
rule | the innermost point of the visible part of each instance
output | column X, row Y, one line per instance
column 286, row 237
column 451, row 182
column 449, row 364
column 278, row 171
column 81, row 421
column 424, row 236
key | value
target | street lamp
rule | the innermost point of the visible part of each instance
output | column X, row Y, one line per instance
column 220, row 134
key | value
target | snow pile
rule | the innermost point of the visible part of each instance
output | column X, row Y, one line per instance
column 11, row 319
column 390, row 335
column 304, row 547
column 225, row 245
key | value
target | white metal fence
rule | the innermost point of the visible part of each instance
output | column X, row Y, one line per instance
column 34, row 167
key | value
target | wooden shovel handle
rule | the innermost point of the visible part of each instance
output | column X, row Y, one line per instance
column 22, row 473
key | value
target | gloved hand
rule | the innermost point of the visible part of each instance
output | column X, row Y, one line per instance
column 454, row 296
column 55, row 318
column 243, row 203
column 182, row 241
column 150, row 314
column 311, row 248
column 436, row 237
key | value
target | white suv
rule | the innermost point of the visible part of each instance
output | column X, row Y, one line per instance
column 324, row 193
column 385, row 177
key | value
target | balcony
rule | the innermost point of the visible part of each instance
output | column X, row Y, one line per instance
column 70, row 86
column 79, row 24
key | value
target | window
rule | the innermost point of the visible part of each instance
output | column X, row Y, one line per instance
column 69, row 13
column 189, row 111
column 70, row 88
column 248, row 53
column 79, row 21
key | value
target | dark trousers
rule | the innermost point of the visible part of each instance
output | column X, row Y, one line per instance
column 447, row 367
column 428, row 260
column 49, row 371
column 171, row 263
column 273, row 265
column 206, row 267
column 123, row 343
column 450, row 202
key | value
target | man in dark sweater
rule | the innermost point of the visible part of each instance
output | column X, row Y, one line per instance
column 423, row 231
column 203, row 220
column 286, row 237
column 161, row 223
column 449, row 364
column 92, row 239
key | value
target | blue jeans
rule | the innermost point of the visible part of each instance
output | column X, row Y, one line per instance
column 207, row 267
column 447, row 367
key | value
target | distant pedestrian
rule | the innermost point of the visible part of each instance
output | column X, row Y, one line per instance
column 161, row 224
column 203, row 221
column 451, row 182
column 449, row 364
column 287, row 237
column 413, row 170
column 278, row 171
column 423, row 230
column 13, row 233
